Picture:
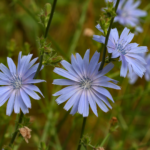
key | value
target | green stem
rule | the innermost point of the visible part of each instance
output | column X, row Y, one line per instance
column 16, row 129
column 82, row 131
column 105, row 139
column 79, row 29
column 107, row 37
column 45, row 36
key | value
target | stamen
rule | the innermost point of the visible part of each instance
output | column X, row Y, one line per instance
column 16, row 82
column 85, row 83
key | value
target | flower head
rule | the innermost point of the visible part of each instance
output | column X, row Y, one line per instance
column 133, row 77
column 128, row 14
column 85, row 84
column 129, row 53
column 19, row 84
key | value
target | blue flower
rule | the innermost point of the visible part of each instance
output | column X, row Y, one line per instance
column 133, row 77
column 85, row 84
column 129, row 53
column 128, row 14
column 19, row 84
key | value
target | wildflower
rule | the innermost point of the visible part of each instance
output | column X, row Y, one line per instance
column 88, row 32
column 133, row 77
column 85, row 84
column 129, row 53
column 19, row 84
column 128, row 14
column 25, row 132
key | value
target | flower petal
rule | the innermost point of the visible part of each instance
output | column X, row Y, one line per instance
column 63, row 82
column 10, row 104
column 25, row 98
column 31, row 93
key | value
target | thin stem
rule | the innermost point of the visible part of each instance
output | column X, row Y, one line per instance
column 45, row 36
column 107, row 37
column 16, row 129
column 82, row 131
column 105, row 139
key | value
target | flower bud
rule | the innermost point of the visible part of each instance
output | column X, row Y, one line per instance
column 47, row 9
column 25, row 132
column 100, row 148
column 56, row 60
column 88, row 32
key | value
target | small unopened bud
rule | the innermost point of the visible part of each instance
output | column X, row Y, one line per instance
column 88, row 32
column 113, row 124
column 47, row 9
column 25, row 132
column 100, row 148
column 56, row 60
column 114, row 120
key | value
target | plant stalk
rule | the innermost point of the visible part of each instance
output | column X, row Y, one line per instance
column 107, row 37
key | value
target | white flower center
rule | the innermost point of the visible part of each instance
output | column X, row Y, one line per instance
column 16, row 82
column 121, row 49
column 85, row 83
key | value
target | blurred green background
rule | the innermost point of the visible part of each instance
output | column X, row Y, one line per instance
column 19, row 31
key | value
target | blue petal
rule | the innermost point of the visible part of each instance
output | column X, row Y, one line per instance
column 93, row 62
column 24, row 64
column 22, row 105
column 10, row 104
column 91, row 100
column 124, row 34
column 4, row 89
column 100, row 103
column 81, row 103
column 11, row 65
column 99, row 28
column 107, row 84
column 75, row 107
column 86, row 107
column 63, row 82
column 75, row 66
column 4, row 97
column 86, row 62
column 33, row 88
column 103, row 92
column 138, row 50
column 100, row 39
column 33, row 81
column 136, row 56
column 66, row 96
column 16, row 103
column 69, row 67
column 124, row 67
column 103, row 98
column 65, row 90
column 2, row 82
column 25, row 97
column 19, row 61
column 5, row 70
column 31, row 93
column 72, row 100
column 65, row 74
column 4, row 77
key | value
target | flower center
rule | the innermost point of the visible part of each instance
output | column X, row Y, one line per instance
column 121, row 49
column 85, row 83
column 16, row 82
